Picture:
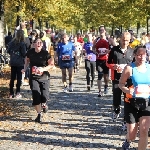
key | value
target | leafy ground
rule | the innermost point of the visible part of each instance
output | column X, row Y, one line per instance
column 5, row 104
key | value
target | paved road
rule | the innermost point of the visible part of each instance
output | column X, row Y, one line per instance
column 75, row 121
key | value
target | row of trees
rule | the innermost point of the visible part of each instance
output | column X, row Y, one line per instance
column 79, row 14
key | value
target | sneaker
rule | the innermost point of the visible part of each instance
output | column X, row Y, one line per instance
column 91, row 83
column 126, row 145
column 70, row 88
column 11, row 96
column 18, row 95
column 99, row 94
column 88, row 88
column 106, row 90
column 45, row 108
column 38, row 118
column 115, row 116
column 65, row 90
column 124, row 126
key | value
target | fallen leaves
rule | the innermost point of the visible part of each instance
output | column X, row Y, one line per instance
column 5, row 105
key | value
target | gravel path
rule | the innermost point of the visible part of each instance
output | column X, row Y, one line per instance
column 78, row 120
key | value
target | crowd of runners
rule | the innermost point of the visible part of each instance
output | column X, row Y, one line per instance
column 125, row 59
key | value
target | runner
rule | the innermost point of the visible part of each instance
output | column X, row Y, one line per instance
column 66, row 52
column 40, row 63
column 118, row 58
column 78, row 56
column 148, row 47
column 100, row 47
column 90, row 62
column 136, row 105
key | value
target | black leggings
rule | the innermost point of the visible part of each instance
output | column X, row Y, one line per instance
column 15, row 74
column 117, row 92
column 90, row 67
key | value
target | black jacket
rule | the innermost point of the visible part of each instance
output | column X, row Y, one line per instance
column 116, row 56
column 17, row 53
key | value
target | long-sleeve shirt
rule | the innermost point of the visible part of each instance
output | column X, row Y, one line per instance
column 116, row 56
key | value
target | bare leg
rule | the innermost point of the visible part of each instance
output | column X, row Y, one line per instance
column 64, row 75
column 99, row 83
column 144, row 126
column 38, row 108
column 70, row 71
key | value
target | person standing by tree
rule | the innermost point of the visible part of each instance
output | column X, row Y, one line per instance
column 17, row 51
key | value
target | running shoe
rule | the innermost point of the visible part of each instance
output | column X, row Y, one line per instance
column 91, row 83
column 88, row 88
column 124, row 126
column 18, row 95
column 70, row 88
column 38, row 118
column 11, row 96
column 45, row 107
column 99, row 94
column 65, row 90
column 115, row 116
column 126, row 145
column 105, row 89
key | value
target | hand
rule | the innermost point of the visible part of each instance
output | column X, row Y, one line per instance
column 41, row 69
column 119, row 69
column 116, row 66
column 89, row 57
column 107, row 51
column 130, row 91
column 23, row 71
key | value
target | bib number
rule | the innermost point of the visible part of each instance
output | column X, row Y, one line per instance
column 65, row 57
column 36, row 71
column 102, row 51
column 142, row 91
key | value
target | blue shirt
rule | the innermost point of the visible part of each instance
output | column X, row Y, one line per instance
column 65, row 49
column 87, row 46
column 141, row 82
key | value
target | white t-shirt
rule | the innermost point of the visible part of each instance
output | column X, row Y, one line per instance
column 78, row 48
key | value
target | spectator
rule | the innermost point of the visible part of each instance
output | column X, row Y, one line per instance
column 17, row 51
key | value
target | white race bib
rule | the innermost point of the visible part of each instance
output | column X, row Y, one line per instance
column 102, row 51
column 142, row 91
column 65, row 57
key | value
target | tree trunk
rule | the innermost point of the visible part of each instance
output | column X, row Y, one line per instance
column 1, row 31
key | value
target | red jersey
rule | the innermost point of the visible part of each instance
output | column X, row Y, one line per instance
column 80, row 40
column 101, row 45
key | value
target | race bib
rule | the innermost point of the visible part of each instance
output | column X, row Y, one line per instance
column 89, row 57
column 142, row 91
column 65, row 57
column 36, row 71
column 102, row 51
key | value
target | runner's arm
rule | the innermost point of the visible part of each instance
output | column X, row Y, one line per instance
column 123, row 79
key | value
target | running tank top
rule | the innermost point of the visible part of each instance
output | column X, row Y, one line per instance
column 140, row 82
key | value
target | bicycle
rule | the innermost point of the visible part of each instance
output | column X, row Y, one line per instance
column 2, row 63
